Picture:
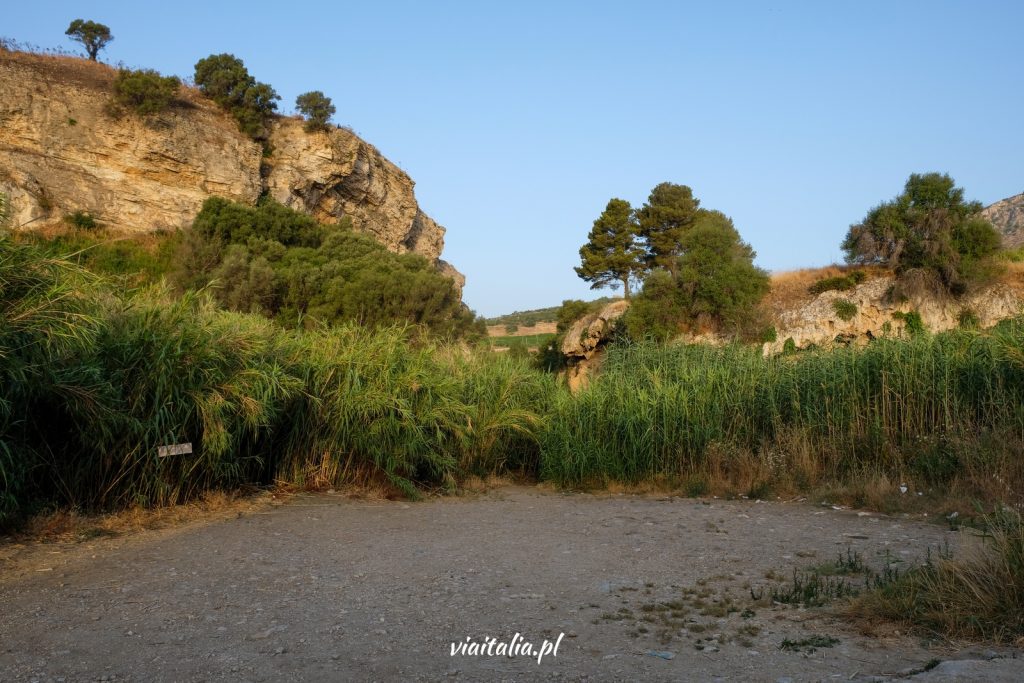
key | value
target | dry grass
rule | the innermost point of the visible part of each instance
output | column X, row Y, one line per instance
column 790, row 289
column 523, row 331
column 72, row 526
column 977, row 595
column 76, row 71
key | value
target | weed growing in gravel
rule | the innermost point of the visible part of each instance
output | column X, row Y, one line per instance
column 979, row 595
column 808, row 645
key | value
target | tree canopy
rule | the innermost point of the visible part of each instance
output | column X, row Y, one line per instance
column 317, row 108
column 284, row 264
column 696, row 269
column 927, row 232
column 669, row 212
column 611, row 254
column 92, row 35
column 224, row 79
column 717, row 278
column 145, row 91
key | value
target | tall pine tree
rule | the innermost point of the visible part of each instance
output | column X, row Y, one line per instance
column 669, row 212
column 611, row 254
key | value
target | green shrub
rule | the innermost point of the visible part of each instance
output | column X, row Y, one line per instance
column 145, row 91
column 81, row 220
column 839, row 283
column 272, row 260
column 912, row 322
column 317, row 109
column 845, row 309
column 929, row 235
column 968, row 320
column 224, row 79
column 789, row 346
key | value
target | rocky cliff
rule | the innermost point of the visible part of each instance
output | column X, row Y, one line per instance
column 818, row 321
column 61, row 151
column 1008, row 217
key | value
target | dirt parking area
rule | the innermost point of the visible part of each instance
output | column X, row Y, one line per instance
column 332, row 588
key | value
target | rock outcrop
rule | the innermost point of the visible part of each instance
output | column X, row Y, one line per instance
column 584, row 339
column 1007, row 216
column 333, row 174
column 585, row 336
column 819, row 323
column 62, row 151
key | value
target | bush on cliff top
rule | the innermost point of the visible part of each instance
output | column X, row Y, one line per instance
column 272, row 260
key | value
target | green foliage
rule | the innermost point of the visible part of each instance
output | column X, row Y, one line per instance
column 845, row 309
column 968, row 320
column 669, row 212
column 133, row 262
column 526, row 341
column 272, row 260
column 839, row 283
column 611, row 254
column 92, row 35
column 928, row 231
column 540, row 315
column 1013, row 255
column 317, row 109
column 788, row 347
column 145, row 91
column 224, row 79
column 770, row 335
column 717, row 276
column 569, row 312
column 715, row 284
column 92, row 382
column 658, row 311
column 81, row 220
column 912, row 322
column 660, row 411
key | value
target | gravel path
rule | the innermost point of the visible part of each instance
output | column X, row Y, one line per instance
column 332, row 588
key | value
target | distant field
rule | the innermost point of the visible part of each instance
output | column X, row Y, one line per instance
column 521, row 330
column 539, row 315
column 530, row 341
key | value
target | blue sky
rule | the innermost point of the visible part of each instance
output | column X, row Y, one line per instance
column 518, row 121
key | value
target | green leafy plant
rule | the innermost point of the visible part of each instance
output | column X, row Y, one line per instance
column 145, row 91
column 845, row 309
column 81, row 220
column 317, row 108
column 224, row 79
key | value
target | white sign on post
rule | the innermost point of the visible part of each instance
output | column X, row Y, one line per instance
column 176, row 449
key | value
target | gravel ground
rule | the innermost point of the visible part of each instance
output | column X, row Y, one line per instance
column 328, row 587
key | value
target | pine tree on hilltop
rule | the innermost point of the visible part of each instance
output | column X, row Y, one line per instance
column 611, row 254
column 669, row 212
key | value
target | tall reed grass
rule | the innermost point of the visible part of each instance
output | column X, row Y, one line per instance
column 95, row 380
column 931, row 408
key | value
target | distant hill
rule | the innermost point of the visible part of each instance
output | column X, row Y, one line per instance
column 1008, row 217
column 536, row 316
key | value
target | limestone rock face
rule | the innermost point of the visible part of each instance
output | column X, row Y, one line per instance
column 817, row 322
column 334, row 174
column 61, row 151
column 1007, row 216
column 586, row 335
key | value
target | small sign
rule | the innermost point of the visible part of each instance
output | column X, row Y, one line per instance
column 176, row 449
